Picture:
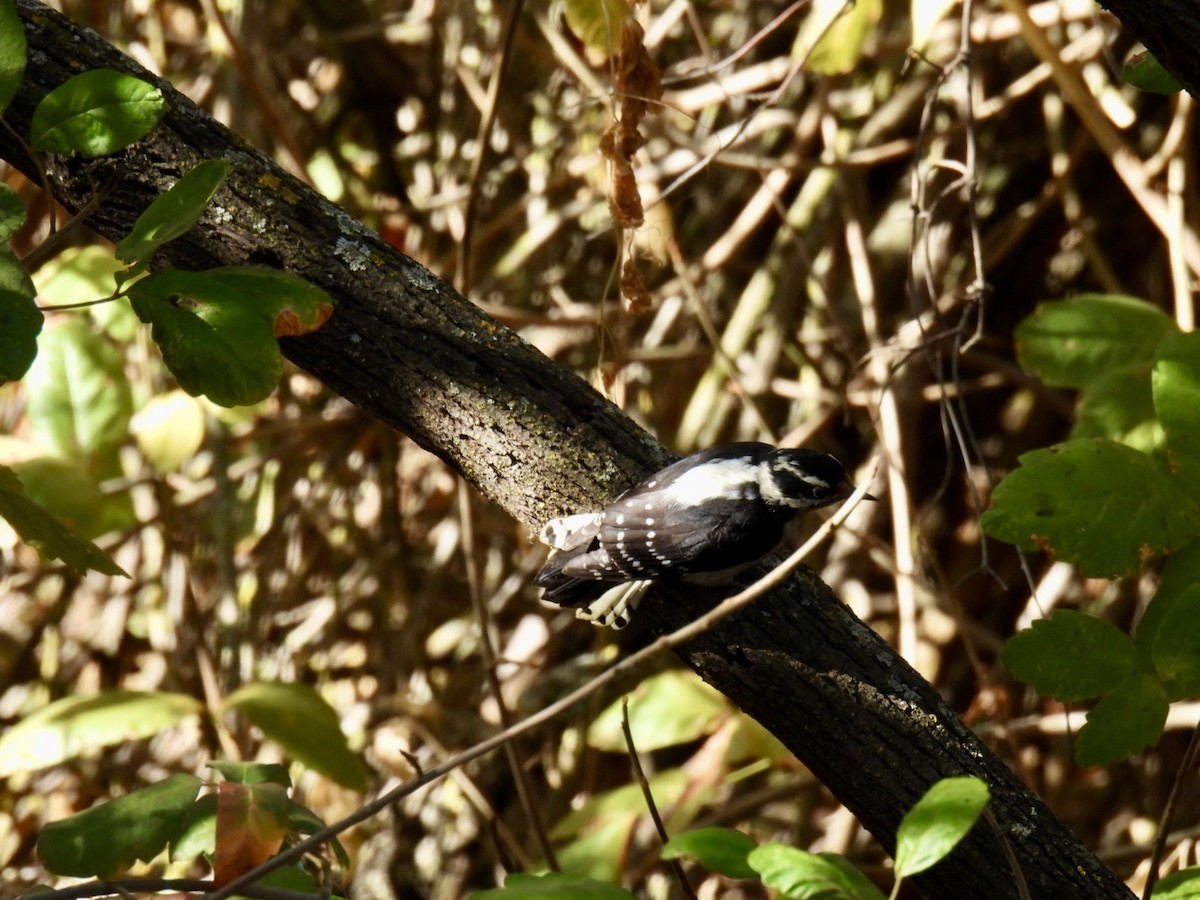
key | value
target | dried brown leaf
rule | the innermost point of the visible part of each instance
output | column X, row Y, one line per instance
column 633, row 288
column 623, row 196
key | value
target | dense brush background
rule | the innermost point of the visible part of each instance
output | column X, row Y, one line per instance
column 810, row 258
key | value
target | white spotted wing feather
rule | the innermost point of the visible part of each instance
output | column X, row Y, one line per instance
column 709, row 514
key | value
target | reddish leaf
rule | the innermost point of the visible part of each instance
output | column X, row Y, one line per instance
column 252, row 820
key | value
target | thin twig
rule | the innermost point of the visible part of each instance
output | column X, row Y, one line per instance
column 640, row 775
column 503, row 833
column 263, row 97
column 793, row 70
column 1164, row 825
column 887, row 418
column 49, row 248
column 753, row 41
column 462, row 273
column 1018, row 875
column 43, row 175
column 520, row 776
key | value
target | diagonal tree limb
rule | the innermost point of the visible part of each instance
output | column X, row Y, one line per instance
column 539, row 442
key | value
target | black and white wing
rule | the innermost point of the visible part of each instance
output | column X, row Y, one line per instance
column 699, row 515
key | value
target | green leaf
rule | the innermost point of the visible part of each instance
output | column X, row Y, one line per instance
column 110, row 837
column 553, row 886
column 601, row 826
column 172, row 214
column 1072, row 343
column 297, row 881
column 298, row 719
column 1179, row 575
column 837, row 34
column 721, row 850
column 597, row 852
column 1071, row 656
column 938, row 821
column 623, row 803
column 1126, row 721
column 169, row 429
column 39, row 529
column 117, row 319
column 253, row 773
column 12, row 210
column 217, row 329
column 1176, row 384
column 95, row 113
column 668, row 709
column 810, row 876
column 12, row 52
column 224, row 351
column 73, row 497
column 1146, row 73
column 73, row 725
column 197, row 834
column 1119, row 405
column 20, row 319
column 1181, row 885
column 1176, row 651
column 80, row 401
column 1101, row 505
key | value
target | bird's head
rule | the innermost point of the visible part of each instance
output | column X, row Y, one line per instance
column 803, row 479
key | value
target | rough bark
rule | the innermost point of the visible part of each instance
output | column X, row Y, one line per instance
column 1170, row 29
column 539, row 441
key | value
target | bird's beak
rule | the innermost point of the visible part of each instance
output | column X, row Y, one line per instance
column 845, row 489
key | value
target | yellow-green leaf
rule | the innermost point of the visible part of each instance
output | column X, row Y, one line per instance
column 835, row 33
column 598, row 23
column 70, row 726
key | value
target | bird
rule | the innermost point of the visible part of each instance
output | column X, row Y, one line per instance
column 701, row 519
